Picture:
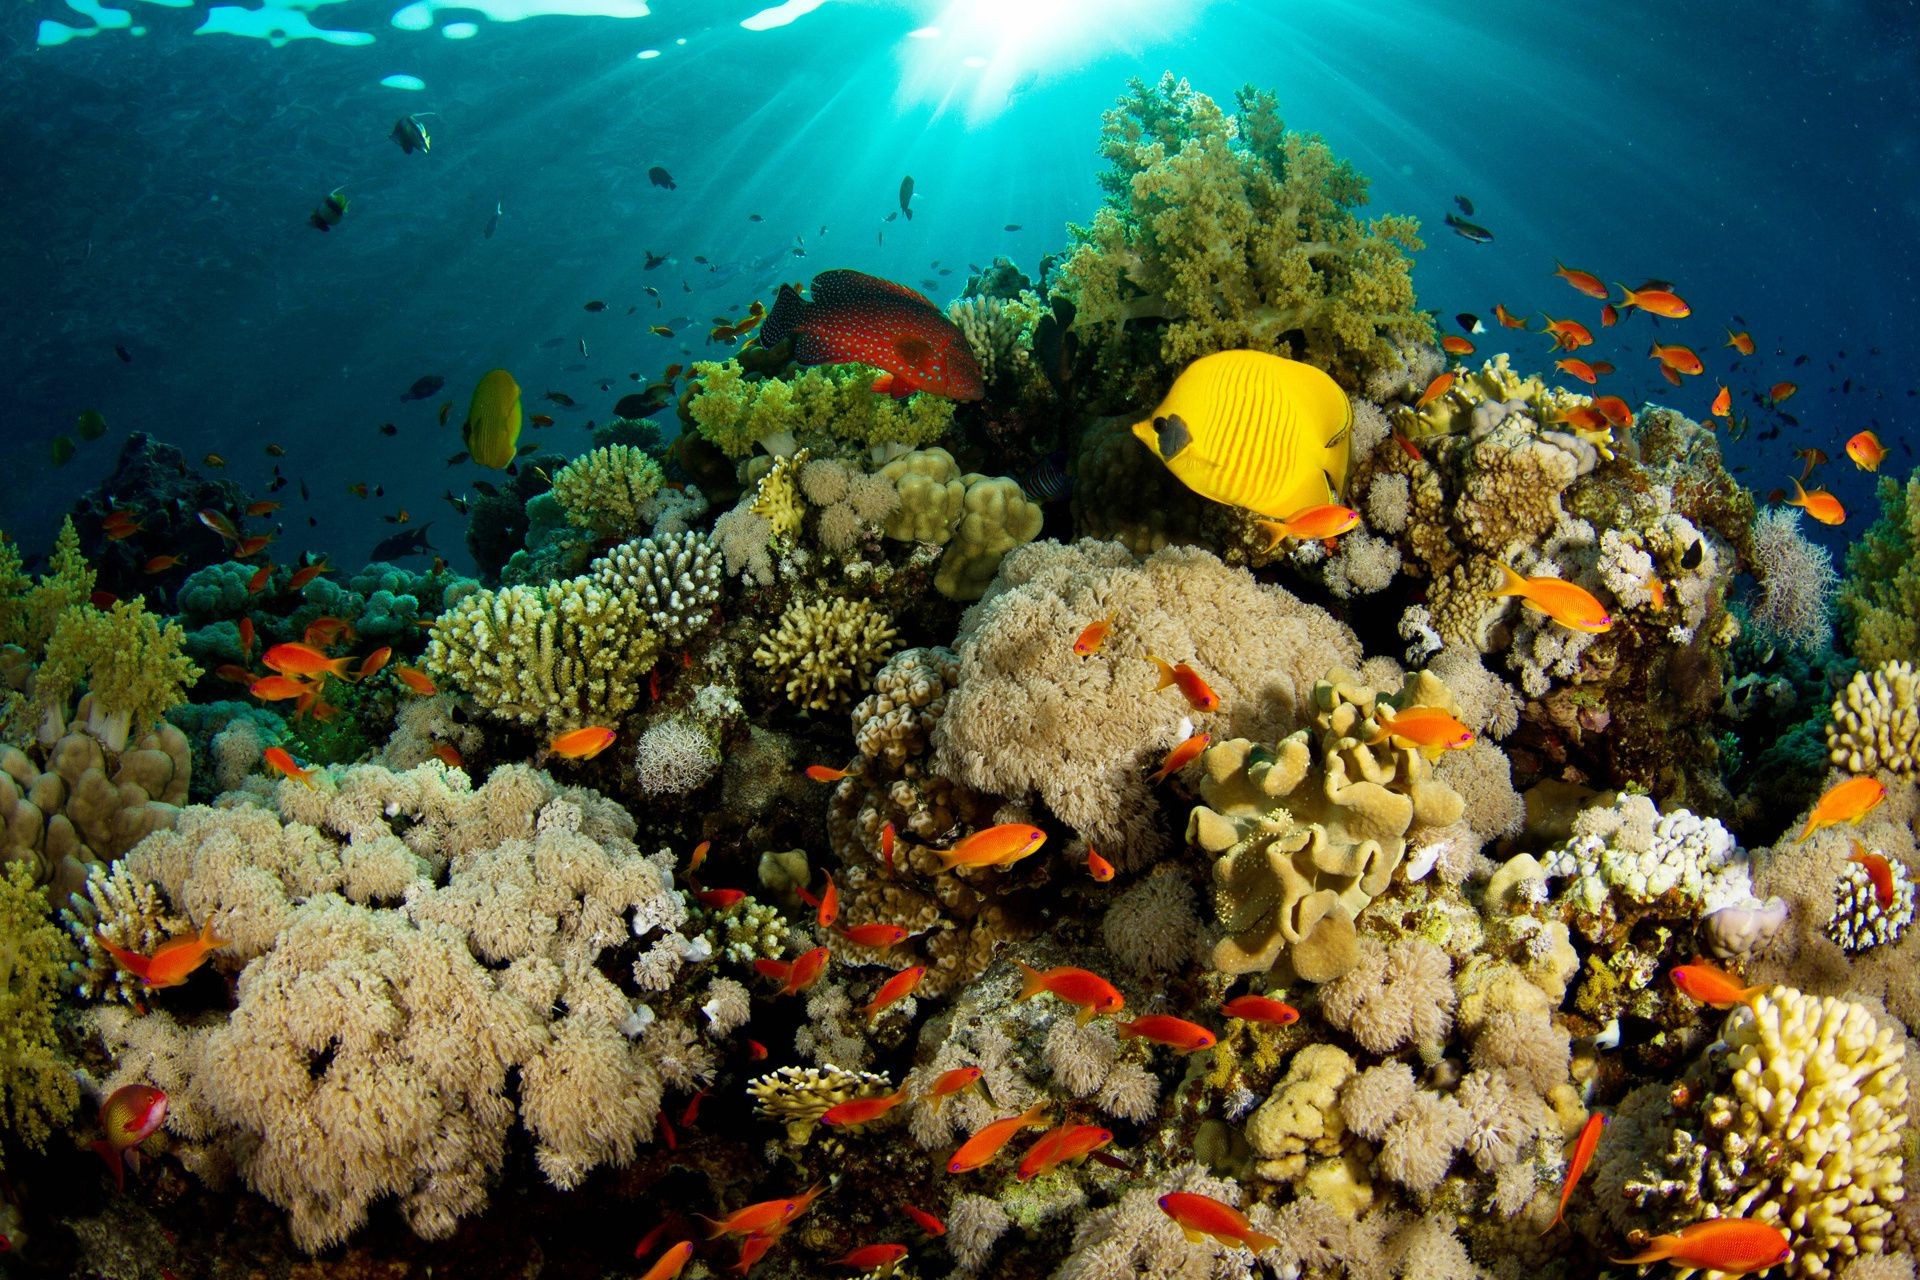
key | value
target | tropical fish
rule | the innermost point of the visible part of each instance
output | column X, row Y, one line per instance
column 1469, row 230
column 424, row 387
column 172, row 962
column 416, row 681
column 306, row 660
column 90, row 425
column 951, row 1082
column 670, row 1264
column 1469, row 322
column 1058, row 1146
column 1507, row 318
column 1585, row 281
column 1728, row 1246
column 249, row 547
column 280, row 762
column 1408, row 447
column 1614, row 410
column 234, row 673
column 1000, row 846
column 279, row 688
column 1202, row 1216
column 906, row 197
column 1741, row 342
column 1430, row 729
column 878, row 936
column 886, row 846
column 1866, row 451
column 1722, row 404
column 722, row 900
column 1261, row 1009
column 130, row 1115
column 582, row 744
column 1254, row 430
column 1579, row 369
column 1879, row 870
column 449, row 755
column 492, row 429
column 1315, row 524
column 855, row 1112
column 307, row 573
column 882, row 1258
column 333, row 207
column 1465, row 205
column 1568, row 335
column 752, row 1249
column 1781, row 392
column 659, row 177
column 857, row 317
column 924, row 1220
column 1092, row 636
column 829, row 906
column 991, row 1139
column 1175, row 1033
column 265, row 507
column 1454, row 345
column 893, row 990
column 1655, row 302
column 1179, row 758
column 371, row 664
column 1713, row 986
column 1582, row 1153
column 1093, row 994
column 410, row 135
column 1848, row 801
column 1098, row 867
column 1820, row 504
column 1569, row 605
column 258, row 582
column 824, row 773
column 755, row 1218
column 1679, row 359
column 1199, row 695
column 160, row 564
column 806, row 971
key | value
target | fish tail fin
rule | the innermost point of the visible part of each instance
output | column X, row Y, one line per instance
column 1259, row 1241
column 1628, row 299
column 1557, row 1213
column 788, row 308
column 208, row 938
column 1274, row 531
column 1659, row 1249
column 715, row 1229
column 1382, row 725
column 1511, row 583
column 1032, row 983
column 1802, row 838
column 115, row 1165
column 1166, row 672
column 1750, row 994
column 1035, row 1114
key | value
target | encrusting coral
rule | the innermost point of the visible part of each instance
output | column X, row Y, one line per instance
column 405, row 945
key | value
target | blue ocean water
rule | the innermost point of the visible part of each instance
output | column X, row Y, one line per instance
column 164, row 167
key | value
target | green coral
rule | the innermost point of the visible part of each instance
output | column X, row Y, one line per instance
column 29, row 611
column 817, row 407
column 605, row 491
column 37, row 1086
column 1238, row 233
column 1880, row 597
column 131, row 662
column 217, row 591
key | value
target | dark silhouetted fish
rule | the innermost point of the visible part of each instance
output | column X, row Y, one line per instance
column 906, row 196
column 1470, row 230
column 1047, row 479
column 493, row 221
column 423, row 387
column 1466, row 205
column 660, row 178
column 653, row 259
column 411, row 543
column 126, row 357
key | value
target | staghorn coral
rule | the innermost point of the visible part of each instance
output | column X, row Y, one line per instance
column 37, row 1086
column 1029, row 715
column 485, row 964
column 678, row 578
column 1236, row 233
column 1879, row 599
column 605, row 491
column 126, row 911
column 798, row 1096
column 822, row 651
column 1875, row 722
column 818, row 408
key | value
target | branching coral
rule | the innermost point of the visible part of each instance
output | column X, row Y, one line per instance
column 821, row 652
column 605, row 491
column 1238, row 233
column 816, row 407
column 37, row 1086
column 1880, row 597
column 678, row 578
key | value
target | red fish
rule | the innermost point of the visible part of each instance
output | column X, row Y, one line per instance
column 247, row 637
column 886, row 846
column 1879, row 870
column 857, row 317
column 1199, row 695
column 951, row 1082
column 302, row 576
column 1175, row 1033
column 1180, row 757
column 131, row 1115
column 874, row 1257
column 264, row 507
column 1261, row 1009
column 373, row 662
column 160, row 564
column 1866, row 451
column 1454, row 345
column 1585, row 281
column 764, row 1216
column 1614, row 410
column 1722, row 404
column 1781, row 392
column 1435, row 389
column 874, row 935
column 1507, row 318
column 582, row 744
column 752, row 1249
column 1680, row 359
column 172, row 962
column 1091, row 637
column 823, row 773
column 1818, row 503
column 258, row 582
column 1091, row 992
column 924, row 1220
column 855, row 1112
column 1730, row 1246
column 895, row 989
column 416, row 681
column 1582, row 1153
column 280, row 762
column 253, row 546
column 804, row 972
column 1741, row 342
column 1579, row 369
column 449, row 755
column 1609, row 316
column 698, row 856
column 1568, row 335
column 829, row 906
column 671, row 1263
column 1202, row 1216
column 1713, row 986
column 1098, row 867
column 219, row 523
column 1408, row 447
column 992, row 1139
column 1058, row 1146
column 279, row 688
column 306, row 660
column 998, row 846
column 1656, row 302
column 234, row 673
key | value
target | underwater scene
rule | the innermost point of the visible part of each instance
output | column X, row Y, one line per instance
column 1163, row 639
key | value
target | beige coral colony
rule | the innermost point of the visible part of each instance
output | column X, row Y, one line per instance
column 956, row 833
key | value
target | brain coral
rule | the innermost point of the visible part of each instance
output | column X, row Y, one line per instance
column 1030, row 716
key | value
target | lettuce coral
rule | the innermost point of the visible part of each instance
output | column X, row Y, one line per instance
column 605, row 491
column 817, row 407
column 1238, row 233
column 37, row 1083
column 1880, row 597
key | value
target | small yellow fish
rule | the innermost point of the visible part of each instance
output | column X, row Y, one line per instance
column 492, row 429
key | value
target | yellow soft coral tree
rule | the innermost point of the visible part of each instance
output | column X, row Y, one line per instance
column 815, row 407
column 1238, row 233
column 37, row 1089
column 1880, row 598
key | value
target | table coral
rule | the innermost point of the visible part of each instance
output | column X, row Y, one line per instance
column 1875, row 722
column 822, row 651
column 37, row 1085
column 387, row 997
column 1237, row 233
column 605, row 491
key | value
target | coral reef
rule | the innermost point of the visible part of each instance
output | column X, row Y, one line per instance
column 37, row 1087
column 1875, row 722
column 605, row 491
column 819, row 408
column 821, row 652
column 1879, row 599
column 1797, row 582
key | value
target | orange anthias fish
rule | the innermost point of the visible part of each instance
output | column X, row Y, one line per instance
column 244, row 628
column 416, row 681
column 1722, row 404
column 1179, row 758
column 1609, row 316
column 1849, row 801
column 1199, row 695
column 1781, row 392
column 829, row 908
column 1507, row 317
column 1202, row 1216
column 1175, row 1033
column 805, row 972
column 1582, row 1153
column 857, row 317
column 279, row 688
column 131, row 1115
column 1000, row 846
column 874, row 935
column 1812, row 457
column 280, row 762
column 1092, row 993
column 160, row 564
column 992, row 1139
column 1261, row 1009
column 1455, row 345
column 855, row 1112
column 1879, row 870
column 1088, row 642
column 1614, row 410
column 302, row 576
column 247, row 548
column 1820, row 504
column 449, row 755
column 764, row 1216
column 924, row 1220
column 1435, row 389
column 1741, row 342
column 1568, row 335
column 1569, row 605
column 1578, row 368
column 1098, row 867
column 172, row 962
column 1315, row 524
column 886, row 846
column 1058, row 1146
column 873, row 1257
column 1680, row 359
column 951, row 1082
column 373, row 662
column 1656, row 302
column 1585, row 281
column 824, row 773
column 1866, row 451
column 721, row 900
column 670, row 1264
column 582, row 744
column 752, row 1249
column 895, row 989
column 1729, row 1246
column 258, row 582
column 1430, row 729
column 1713, row 986
column 304, row 660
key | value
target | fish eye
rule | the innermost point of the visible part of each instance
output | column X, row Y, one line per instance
column 1159, row 425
